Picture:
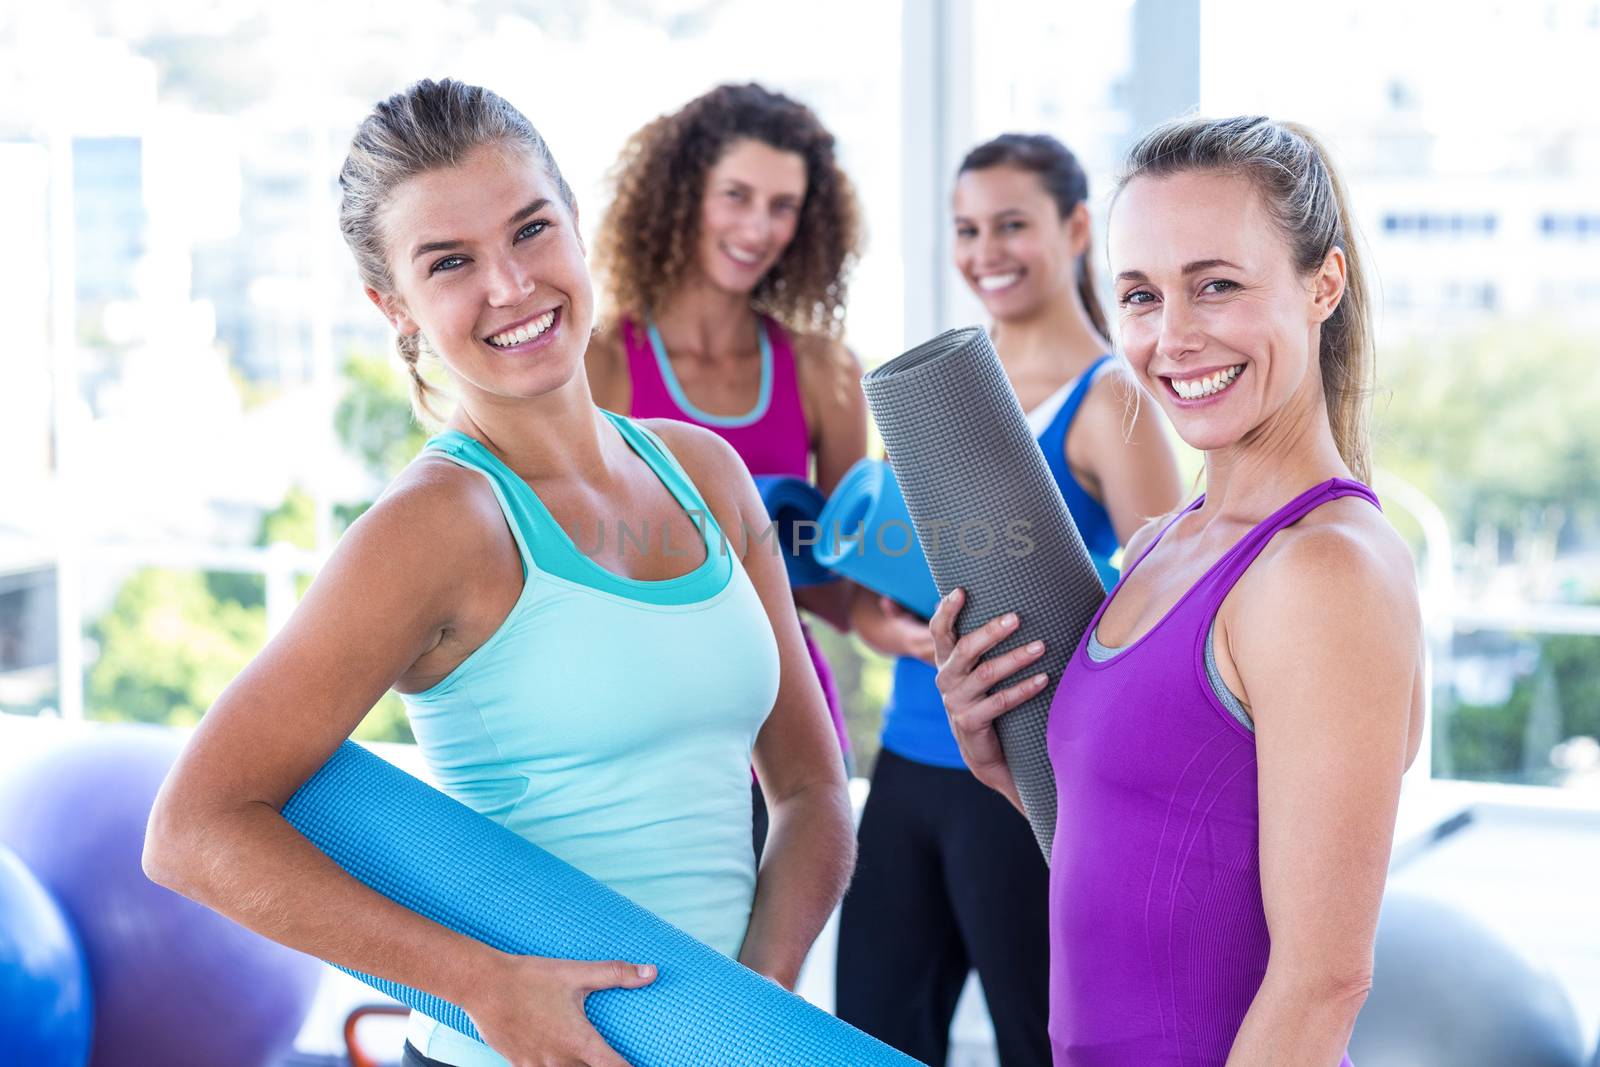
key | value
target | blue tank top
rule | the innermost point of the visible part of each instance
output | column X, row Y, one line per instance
column 610, row 720
column 914, row 723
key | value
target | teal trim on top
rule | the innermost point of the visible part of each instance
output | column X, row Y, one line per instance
column 763, row 397
column 548, row 548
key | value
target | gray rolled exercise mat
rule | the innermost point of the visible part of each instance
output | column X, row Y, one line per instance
column 441, row 859
column 992, row 521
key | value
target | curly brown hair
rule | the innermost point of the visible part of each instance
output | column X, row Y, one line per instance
column 649, row 234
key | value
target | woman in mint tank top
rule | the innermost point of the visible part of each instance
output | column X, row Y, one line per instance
column 949, row 878
column 725, row 256
column 590, row 653
column 1228, row 738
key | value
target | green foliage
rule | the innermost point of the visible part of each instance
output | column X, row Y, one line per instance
column 168, row 646
column 1498, row 427
column 374, row 418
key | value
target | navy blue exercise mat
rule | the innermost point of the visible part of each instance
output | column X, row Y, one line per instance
column 992, row 521
column 794, row 506
column 441, row 859
column 868, row 537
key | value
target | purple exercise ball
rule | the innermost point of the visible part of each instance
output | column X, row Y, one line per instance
column 174, row 983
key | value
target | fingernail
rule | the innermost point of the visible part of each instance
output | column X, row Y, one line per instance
column 1040, row 679
column 1036, row 648
column 645, row 970
column 1009, row 620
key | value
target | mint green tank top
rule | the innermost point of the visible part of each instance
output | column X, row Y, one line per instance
column 610, row 720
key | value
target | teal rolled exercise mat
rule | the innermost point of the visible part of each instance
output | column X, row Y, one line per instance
column 443, row 860
column 991, row 521
column 868, row 537
column 790, row 503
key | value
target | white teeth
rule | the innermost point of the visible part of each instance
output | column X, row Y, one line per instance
column 526, row 332
column 747, row 258
column 991, row 282
column 1215, row 382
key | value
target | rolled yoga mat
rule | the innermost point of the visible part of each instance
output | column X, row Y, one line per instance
column 440, row 858
column 992, row 522
column 791, row 502
column 886, row 557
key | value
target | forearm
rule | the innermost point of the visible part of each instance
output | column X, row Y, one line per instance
column 831, row 602
column 253, row 867
column 1306, row 1022
column 805, row 867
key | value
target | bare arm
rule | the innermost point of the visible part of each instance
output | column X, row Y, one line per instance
column 1119, row 446
column 836, row 417
column 388, row 596
column 1326, row 639
column 810, row 847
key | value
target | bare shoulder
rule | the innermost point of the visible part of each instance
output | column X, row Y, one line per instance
column 825, row 363
column 434, row 510
column 1144, row 537
column 711, row 463
column 1343, row 563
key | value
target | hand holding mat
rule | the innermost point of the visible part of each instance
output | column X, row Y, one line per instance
column 791, row 502
column 441, row 859
column 886, row 557
column 992, row 521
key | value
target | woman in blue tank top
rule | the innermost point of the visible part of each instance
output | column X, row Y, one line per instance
column 585, row 657
column 950, row 879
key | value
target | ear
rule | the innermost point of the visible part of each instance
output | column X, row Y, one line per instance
column 1327, row 285
column 1076, row 226
column 577, row 228
column 394, row 309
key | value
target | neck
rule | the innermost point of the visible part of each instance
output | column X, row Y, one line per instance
column 555, row 437
column 701, row 317
column 1291, row 452
column 1057, row 340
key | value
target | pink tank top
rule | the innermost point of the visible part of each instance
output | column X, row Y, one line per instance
column 1158, row 935
column 771, row 438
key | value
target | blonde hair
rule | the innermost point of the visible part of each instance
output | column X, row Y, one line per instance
column 428, row 126
column 1292, row 172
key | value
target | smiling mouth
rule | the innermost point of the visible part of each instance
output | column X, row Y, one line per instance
column 744, row 259
column 1205, row 385
column 993, row 283
column 524, row 332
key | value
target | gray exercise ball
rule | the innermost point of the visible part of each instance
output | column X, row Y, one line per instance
column 1449, row 992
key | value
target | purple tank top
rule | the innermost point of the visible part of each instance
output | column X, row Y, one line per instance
column 771, row 438
column 1158, row 937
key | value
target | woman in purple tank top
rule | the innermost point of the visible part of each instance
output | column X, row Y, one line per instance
column 1229, row 736
column 725, row 256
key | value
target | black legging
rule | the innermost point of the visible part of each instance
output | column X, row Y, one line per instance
column 949, row 878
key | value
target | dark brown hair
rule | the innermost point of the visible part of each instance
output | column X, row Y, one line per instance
column 649, row 234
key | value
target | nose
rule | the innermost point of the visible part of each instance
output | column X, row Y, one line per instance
column 509, row 283
column 1179, row 335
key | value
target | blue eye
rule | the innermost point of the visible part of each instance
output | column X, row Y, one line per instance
column 1136, row 297
column 447, row 263
column 533, row 229
column 1227, row 286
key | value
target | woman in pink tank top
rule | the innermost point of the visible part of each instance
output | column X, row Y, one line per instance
column 1229, row 737
column 725, row 256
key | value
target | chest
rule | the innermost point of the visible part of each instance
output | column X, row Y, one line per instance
column 724, row 385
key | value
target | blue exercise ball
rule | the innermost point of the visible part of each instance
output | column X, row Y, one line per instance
column 174, row 983
column 1449, row 992
column 44, row 983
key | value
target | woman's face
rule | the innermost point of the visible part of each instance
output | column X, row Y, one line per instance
column 488, row 266
column 748, row 213
column 1012, row 245
column 1212, row 314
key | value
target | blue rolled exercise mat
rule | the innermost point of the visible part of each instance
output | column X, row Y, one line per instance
column 886, row 557
column 791, row 501
column 992, row 521
column 443, row 860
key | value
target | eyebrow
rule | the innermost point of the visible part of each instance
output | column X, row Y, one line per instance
column 1188, row 268
column 533, row 207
